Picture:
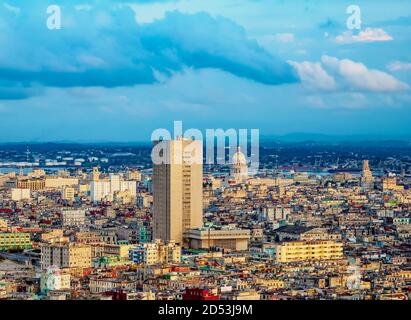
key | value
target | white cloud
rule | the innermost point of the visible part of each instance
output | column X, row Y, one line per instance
column 368, row 35
column 332, row 74
column 399, row 66
column 313, row 75
column 358, row 77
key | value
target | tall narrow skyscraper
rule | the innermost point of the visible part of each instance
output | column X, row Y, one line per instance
column 177, row 188
column 366, row 176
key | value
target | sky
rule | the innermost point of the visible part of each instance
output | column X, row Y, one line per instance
column 117, row 70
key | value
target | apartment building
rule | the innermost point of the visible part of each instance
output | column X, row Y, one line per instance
column 156, row 253
column 73, row 217
column 308, row 250
column 67, row 255
column 14, row 240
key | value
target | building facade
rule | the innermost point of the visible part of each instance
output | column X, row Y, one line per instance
column 178, row 189
column 294, row 251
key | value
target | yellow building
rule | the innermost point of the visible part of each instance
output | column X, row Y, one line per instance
column 270, row 283
column 60, row 182
column 95, row 176
column 67, row 255
column 134, row 175
column 88, row 237
column 34, row 184
column 3, row 225
column 55, row 235
column 83, row 188
column 309, row 250
column 14, row 240
column 390, row 184
column 68, row 193
column 118, row 250
column 36, row 173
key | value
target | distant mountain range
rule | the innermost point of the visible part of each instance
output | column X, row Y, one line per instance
column 317, row 137
column 298, row 137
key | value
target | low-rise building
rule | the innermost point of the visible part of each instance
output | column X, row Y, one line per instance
column 233, row 239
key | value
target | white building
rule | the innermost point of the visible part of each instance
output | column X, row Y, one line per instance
column 55, row 279
column 275, row 213
column 239, row 168
column 156, row 253
column 73, row 217
column 105, row 189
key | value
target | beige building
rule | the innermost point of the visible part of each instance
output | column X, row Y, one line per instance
column 366, row 177
column 34, row 184
column 60, row 182
column 55, row 235
column 134, row 175
column 309, row 250
column 390, row 184
column 18, row 194
column 37, row 173
column 88, row 237
column 73, row 217
column 233, row 239
column 178, row 188
column 67, row 255
column 68, row 193
column 95, row 176
column 3, row 225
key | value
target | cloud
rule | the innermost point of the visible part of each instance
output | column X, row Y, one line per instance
column 102, row 45
column 313, row 75
column 368, row 35
column 358, row 77
column 335, row 74
column 399, row 66
column 200, row 41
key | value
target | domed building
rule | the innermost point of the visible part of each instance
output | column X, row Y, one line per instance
column 239, row 167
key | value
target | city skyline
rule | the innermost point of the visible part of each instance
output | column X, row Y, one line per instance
column 279, row 66
column 218, row 151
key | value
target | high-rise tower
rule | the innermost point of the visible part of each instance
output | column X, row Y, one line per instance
column 177, row 188
column 366, row 178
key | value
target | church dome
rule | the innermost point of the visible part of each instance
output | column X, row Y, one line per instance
column 239, row 158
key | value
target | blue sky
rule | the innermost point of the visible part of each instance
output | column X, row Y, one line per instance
column 116, row 70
